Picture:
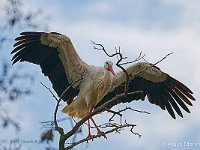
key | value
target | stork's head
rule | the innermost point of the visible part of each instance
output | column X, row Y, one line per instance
column 108, row 65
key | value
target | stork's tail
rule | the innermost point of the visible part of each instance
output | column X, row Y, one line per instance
column 73, row 111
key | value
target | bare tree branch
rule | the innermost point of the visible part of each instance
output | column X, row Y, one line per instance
column 152, row 65
column 76, row 127
column 122, row 110
column 163, row 58
column 59, row 129
column 116, row 129
column 137, row 59
column 120, row 58
column 50, row 91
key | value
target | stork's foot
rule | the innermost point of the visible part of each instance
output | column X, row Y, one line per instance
column 90, row 136
column 102, row 134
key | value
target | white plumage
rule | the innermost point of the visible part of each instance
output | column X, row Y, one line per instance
column 93, row 88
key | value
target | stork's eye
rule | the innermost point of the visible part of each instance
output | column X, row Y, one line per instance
column 107, row 63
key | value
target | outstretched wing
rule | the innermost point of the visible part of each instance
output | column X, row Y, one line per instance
column 159, row 88
column 57, row 58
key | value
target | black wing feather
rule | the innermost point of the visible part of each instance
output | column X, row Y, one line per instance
column 168, row 94
column 29, row 48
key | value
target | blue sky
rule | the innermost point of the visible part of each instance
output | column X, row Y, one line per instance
column 152, row 26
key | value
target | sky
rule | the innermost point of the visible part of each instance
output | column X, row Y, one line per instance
column 155, row 27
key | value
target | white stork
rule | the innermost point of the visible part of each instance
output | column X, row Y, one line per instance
column 92, row 85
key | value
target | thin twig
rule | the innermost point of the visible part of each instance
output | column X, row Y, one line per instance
column 152, row 65
column 122, row 110
column 136, row 110
column 137, row 59
column 163, row 58
column 50, row 91
column 136, row 133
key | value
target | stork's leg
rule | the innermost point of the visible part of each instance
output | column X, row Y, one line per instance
column 89, row 131
column 99, row 132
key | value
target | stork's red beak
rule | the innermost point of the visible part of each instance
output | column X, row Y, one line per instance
column 111, row 70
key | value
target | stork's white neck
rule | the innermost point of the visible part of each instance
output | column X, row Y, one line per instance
column 107, row 74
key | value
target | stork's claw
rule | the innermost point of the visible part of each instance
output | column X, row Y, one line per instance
column 90, row 136
column 102, row 134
